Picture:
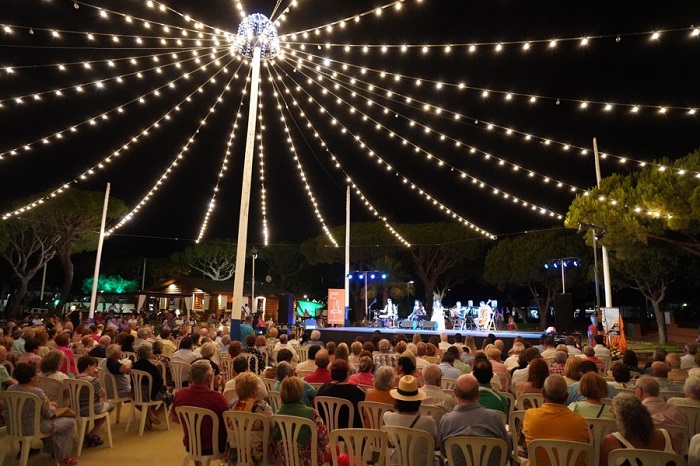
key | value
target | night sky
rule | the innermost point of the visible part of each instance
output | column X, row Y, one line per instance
column 621, row 65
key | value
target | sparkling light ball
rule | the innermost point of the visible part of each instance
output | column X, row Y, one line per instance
column 257, row 30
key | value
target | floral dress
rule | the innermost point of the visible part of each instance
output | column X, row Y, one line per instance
column 255, row 438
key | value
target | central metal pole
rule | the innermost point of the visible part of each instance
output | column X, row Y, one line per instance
column 563, row 283
column 93, row 296
column 603, row 249
column 241, row 246
column 595, row 272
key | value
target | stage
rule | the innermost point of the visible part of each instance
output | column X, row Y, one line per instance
column 348, row 334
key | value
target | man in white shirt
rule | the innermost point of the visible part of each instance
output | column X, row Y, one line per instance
column 444, row 344
column 432, row 380
column 571, row 344
column 283, row 344
column 549, row 349
column 520, row 375
column 420, row 362
column 599, row 348
column 511, row 361
column 688, row 358
column 310, row 364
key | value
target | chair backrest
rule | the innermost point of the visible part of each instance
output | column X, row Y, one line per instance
column 275, row 400
column 692, row 414
column 679, row 438
column 226, row 367
column 161, row 367
column 289, row 428
column 666, row 395
column 75, row 387
column 10, row 367
column 331, row 410
column 448, row 383
column 108, row 382
column 141, row 384
column 245, row 431
column 251, row 357
column 302, row 352
column 269, row 383
column 529, row 400
column 409, row 444
column 599, row 429
column 515, row 427
column 638, row 456
column 561, row 452
column 129, row 355
column 364, row 446
column 191, row 419
column 15, row 403
column 302, row 374
column 436, row 412
column 180, row 371
column 231, row 394
column 511, row 404
column 54, row 389
column 476, row 451
column 373, row 413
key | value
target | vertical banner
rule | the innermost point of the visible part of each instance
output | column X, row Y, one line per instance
column 336, row 306
column 614, row 328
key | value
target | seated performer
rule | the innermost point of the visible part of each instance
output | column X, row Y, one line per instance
column 389, row 313
column 484, row 314
column 458, row 311
column 418, row 311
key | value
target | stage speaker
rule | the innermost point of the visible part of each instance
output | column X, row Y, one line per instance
column 563, row 313
column 406, row 324
column 429, row 325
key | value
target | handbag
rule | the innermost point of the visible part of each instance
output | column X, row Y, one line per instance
column 64, row 412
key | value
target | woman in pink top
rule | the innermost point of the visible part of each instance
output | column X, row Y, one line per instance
column 364, row 376
column 62, row 346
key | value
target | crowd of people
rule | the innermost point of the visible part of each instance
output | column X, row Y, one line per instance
column 224, row 375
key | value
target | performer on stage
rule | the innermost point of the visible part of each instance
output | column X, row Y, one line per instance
column 418, row 311
column 484, row 315
column 390, row 313
column 458, row 312
column 438, row 315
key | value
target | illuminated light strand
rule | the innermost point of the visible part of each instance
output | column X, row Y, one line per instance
column 173, row 165
column 103, row 116
column 79, row 88
column 302, row 176
column 222, row 170
column 283, row 15
column 524, row 45
column 504, row 195
column 364, row 146
column 188, row 18
column 490, row 126
column 280, row 95
column 104, row 13
column 487, row 156
column 131, row 141
column 261, row 173
column 607, row 106
column 354, row 19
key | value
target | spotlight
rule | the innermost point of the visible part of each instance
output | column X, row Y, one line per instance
column 546, row 266
column 360, row 276
column 372, row 277
column 383, row 276
column 349, row 276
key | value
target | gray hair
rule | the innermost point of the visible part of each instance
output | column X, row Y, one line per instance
column 384, row 378
column 649, row 385
column 432, row 375
column 142, row 332
column 113, row 351
column 199, row 372
column 560, row 356
column 145, row 350
column 633, row 419
column 692, row 386
column 555, row 389
column 384, row 345
column 315, row 335
column 207, row 350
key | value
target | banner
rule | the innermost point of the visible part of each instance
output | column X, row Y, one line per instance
column 336, row 306
column 614, row 328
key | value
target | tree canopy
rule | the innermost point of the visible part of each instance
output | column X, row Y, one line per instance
column 215, row 259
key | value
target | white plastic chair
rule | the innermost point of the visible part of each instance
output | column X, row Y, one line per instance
column 679, row 438
column 373, row 413
column 251, row 357
column 141, row 383
column 302, row 352
column 180, row 373
column 75, row 386
column 364, row 446
column 330, row 408
column 405, row 442
column 666, row 395
column 226, row 367
column 476, row 450
column 161, row 367
column 436, row 412
column 9, row 366
column 515, row 427
column 191, row 419
column 606, row 365
column 511, row 404
column 269, row 383
column 110, row 385
column 53, row 389
column 275, row 400
column 650, row 457
column 243, row 429
column 599, row 429
column 448, row 384
column 561, row 452
column 17, row 431
column 692, row 414
column 289, row 428
column 535, row 400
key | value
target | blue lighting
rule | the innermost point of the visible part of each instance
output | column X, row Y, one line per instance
column 372, row 276
column 575, row 263
column 349, row 276
column 360, row 276
column 383, row 276
column 556, row 265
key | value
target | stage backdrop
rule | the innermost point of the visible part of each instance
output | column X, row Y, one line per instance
column 336, row 306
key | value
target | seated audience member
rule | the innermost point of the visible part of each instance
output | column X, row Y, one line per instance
column 383, row 383
column 257, row 364
column 589, row 355
column 354, row 356
column 636, row 429
column 87, row 371
column 511, row 361
column 629, row 359
column 31, row 354
column 240, row 366
column 310, row 363
column 537, row 374
column 315, row 339
column 600, row 349
column 321, row 374
column 571, row 370
column 364, row 376
column 658, row 356
column 406, row 366
column 120, row 369
column 291, row 391
column 559, row 365
column 459, row 365
column 571, row 345
column 549, row 348
column 449, row 371
column 520, row 375
column 199, row 395
column 385, row 357
column 688, row 358
column 621, row 374
column 586, row 366
column 488, row 397
column 673, row 361
column 100, row 349
column 470, row 418
column 554, row 421
column 185, row 353
column 659, row 370
column 407, row 400
column 283, row 344
column 663, row 413
column 593, row 387
column 432, row 383
column 691, row 388
column 431, row 354
column 284, row 370
column 340, row 388
column 159, row 391
column 5, row 379
column 250, row 402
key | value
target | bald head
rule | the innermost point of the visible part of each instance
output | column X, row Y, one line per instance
column 466, row 389
column 322, row 359
column 673, row 360
column 555, row 390
column 432, row 375
column 659, row 369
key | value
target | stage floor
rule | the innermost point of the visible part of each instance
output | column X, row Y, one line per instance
column 348, row 334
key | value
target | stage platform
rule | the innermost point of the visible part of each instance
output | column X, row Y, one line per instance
column 348, row 334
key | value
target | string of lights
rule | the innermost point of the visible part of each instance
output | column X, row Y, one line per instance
column 279, row 95
column 362, row 146
column 222, row 170
column 175, row 162
column 102, row 116
column 490, row 126
column 631, row 109
column 546, row 180
column 282, row 17
column 131, row 141
column 80, row 87
column 302, row 175
column 198, row 24
column 506, row 196
column 261, row 174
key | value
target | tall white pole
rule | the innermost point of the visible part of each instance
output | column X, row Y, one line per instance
column 347, row 248
column 96, row 275
column 604, row 250
column 43, row 284
column 241, row 247
column 254, row 304
column 563, row 283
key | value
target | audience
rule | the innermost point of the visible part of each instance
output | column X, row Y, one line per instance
column 432, row 382
column 321, row 374
column 340, row 388
column 594, row 388
column 383, row 383
column 488, row 397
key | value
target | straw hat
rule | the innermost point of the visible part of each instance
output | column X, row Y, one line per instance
column 408, row 390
